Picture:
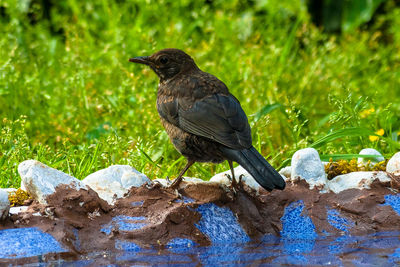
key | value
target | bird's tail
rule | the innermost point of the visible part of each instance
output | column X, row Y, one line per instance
column 257, row 166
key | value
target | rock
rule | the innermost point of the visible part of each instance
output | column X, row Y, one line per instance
column 360, row 180
column 286, row 172
column 18, row 210
column 162, row 181
column 370, row 151
column 222, row 178
column 193, row 180
column 10, row 190
column 307, row 165
column 4, row 204
column 41, row 180
column 113, row 182
column 393, row 164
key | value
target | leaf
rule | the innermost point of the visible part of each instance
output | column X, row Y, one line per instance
column 350, row 132
column 342, row 133
column 334, row 157
column 356, row 12
column 266, row 109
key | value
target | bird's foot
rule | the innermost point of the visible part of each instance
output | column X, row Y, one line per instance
column 177, row 194
column 175, row 183
column 154, row 184
column 236, row 185
column 233, row 186
column 240, row 183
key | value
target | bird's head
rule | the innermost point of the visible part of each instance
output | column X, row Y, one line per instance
column 167, row 63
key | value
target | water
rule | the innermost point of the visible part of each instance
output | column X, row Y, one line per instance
column 379, row 249
column 299, row 243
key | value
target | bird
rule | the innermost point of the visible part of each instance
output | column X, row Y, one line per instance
column 203, row 120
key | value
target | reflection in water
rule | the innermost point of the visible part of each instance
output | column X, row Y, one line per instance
column 382, row 249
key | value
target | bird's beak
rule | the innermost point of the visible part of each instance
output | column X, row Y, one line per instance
column 141, row 60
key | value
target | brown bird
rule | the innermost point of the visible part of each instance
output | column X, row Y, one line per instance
column 203, row 120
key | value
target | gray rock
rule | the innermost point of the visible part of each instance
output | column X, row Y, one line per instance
column 370, row 151
column 113, row 182
column 41, row 181
column 165, row 183
column 360, row 180
column 393, row 164
column 307, row 165
column 222, row 178
column 193, row 180
column 19, row 209
column 162, row 181
column 4, row 204
column 10, row 190
column 286, row 172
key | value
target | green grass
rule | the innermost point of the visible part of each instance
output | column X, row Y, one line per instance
column 73, row 101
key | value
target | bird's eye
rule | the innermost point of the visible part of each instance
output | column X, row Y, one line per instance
column 163, row 60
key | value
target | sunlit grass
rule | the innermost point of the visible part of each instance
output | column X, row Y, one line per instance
column 85, row 107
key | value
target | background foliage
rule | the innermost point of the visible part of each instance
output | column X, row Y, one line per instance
column 70, row 98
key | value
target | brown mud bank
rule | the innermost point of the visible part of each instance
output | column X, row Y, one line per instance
column 152, row 217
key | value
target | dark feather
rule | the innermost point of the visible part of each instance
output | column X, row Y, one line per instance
column 217, row 117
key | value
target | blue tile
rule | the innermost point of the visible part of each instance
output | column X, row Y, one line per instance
column 339, row 222
column 220, row 225
column 27, row 242
column 393, row 201
column 296, row 224
column 124, row 223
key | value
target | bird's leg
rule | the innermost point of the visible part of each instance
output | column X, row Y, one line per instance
column 234, row 183
column 178, row 179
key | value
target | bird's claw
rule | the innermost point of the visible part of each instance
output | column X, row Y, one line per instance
column 154, row 184
column 177, row 194
column 240, row 180
column 233, row 185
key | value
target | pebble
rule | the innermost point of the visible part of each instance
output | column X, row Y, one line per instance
column 359, row 180
column 113, row 182
column 222, row 178
column 370, row 151
column 307, row 165
column 4, row 204
column 393, row 164
column 41, row 180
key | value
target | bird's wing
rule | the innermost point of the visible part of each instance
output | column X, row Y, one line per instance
column 217, row 117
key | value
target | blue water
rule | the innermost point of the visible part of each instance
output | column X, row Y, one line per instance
column 379, row 249
column 299, row 243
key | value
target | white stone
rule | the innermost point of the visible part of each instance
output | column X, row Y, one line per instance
column 393, row 164
column 4, row 204
column 360, row 180
column 222, row 178
column 113, row 182
column 286, row 172
column 370, row 151
column 19, row 209
column 193, row 180
column 10, row 190
column 307, row 165
column 41, row 180
column 162, row 181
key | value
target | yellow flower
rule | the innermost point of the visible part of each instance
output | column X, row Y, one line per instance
column 374, row 138
column 366, row 112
